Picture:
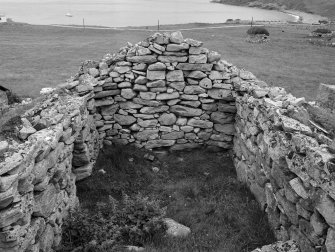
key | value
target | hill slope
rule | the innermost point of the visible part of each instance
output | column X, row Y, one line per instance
column 321, row 7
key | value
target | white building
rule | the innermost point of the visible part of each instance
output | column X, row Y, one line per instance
column 3, row 18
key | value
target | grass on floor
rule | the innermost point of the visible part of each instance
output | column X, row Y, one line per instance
column 199, row 189
column 33, row 57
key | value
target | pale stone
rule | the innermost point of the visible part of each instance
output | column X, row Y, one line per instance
column 176, row 75
column 330, row 240
column 122, row 69
column 185, row 111
column 128, row 93
column 167, row 96
column 213, row 57
column 197, row 75
column 148, row 123
column 154, row 110
column 193, row 104
column 194, row 67
column 193, row 42
column 124, row 84
column 124, row 119
column 143, row 59
column 176, row 37
column 148, row 95
column 177, row 85
column 220, row 94
column 197, row 59
column 206, row 83
column 200, row 123
column 191, row 90
column 155, row 84
column 140, row 88
column 171, row 59
column 177, row 47
column 146, row 134
column 175, row 229
column 155, row 75
column 159, row 143
column 158, row 66
column 167, row 119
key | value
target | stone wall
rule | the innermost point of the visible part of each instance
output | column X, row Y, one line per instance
column 284, row 151
column 162, row 92
column 169, row 92
column 42, row 153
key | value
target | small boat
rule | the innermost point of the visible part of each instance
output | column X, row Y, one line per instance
column 68, row 14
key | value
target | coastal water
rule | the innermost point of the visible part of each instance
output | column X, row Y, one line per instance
column 121, row 13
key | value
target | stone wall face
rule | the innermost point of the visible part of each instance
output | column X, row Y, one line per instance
column 56, row 143
column 284, row 151
column 170, row 92
column 162, row 92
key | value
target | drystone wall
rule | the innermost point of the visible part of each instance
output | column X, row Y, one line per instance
column 169, row 92
column 284, row 151
column 42, row 153
column 162, row 92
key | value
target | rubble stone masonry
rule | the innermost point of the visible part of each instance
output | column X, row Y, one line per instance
column 170, row 92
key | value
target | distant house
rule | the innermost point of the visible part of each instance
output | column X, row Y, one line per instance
column 3, row 18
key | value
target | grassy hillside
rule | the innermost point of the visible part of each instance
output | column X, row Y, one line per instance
column 32, row 57
column 321, row 7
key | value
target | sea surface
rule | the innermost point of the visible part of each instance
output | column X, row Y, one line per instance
column 121, row 13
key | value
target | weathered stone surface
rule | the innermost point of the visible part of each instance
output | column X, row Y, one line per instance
column 176, row 75
column 197, row 75
column 191, row 90
column 330, row 240
column 227, row 129
column 108, row 93
column 128, row 93
column 177, row 47
column 185, row 111
column 158, row 143
column 167, row 119
column 171, row 59
column 206, row 83
column 175, row 229
column 147, row 102
column 148, row 95
column 220, row 94
column 146, row 135
column 154, row 110
column 193, row 42
column 158, row 66
column 220, row 117
column 156, row 84
column 177, row 85
column 155, row 75
column 197, row 59
column 326, row 207
column 194, row 67
column 173, row 135
column 124, row 119
column 148, row 123
column 166, row 96
column 213, row 57
column 200, row 123
column 176, row 37
column 143, row 59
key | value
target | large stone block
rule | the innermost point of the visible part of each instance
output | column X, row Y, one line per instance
column 124, row 119
column 185, row 111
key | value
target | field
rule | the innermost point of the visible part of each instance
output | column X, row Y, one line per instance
column 32, row 57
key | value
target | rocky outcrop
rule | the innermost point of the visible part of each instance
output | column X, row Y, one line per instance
column 169, row 92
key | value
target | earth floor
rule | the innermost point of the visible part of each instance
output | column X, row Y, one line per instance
column 199, row 189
